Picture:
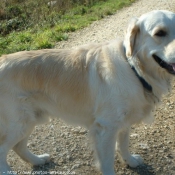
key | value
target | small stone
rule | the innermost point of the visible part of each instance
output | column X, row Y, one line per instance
column 143, row 146
column 83, row 131
column 68, row 157
column 75, row 166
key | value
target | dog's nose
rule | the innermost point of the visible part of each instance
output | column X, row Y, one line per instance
column 170, row 52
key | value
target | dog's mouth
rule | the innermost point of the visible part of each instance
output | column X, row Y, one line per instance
column 169, row 67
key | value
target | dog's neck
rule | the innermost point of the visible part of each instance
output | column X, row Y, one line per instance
column 144, row 83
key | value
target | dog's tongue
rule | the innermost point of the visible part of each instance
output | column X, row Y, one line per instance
column 173, row 65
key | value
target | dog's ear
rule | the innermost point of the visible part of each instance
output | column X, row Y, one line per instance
column 130, row 36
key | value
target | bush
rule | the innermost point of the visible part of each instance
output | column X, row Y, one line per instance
column 22, row 14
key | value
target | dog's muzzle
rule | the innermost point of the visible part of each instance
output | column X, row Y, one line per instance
column 169, row 67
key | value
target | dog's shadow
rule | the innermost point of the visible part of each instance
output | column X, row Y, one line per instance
column 52, row 168
column 143, row 170
column 46, row 169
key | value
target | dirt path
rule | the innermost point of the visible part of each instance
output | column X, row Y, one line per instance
column 115, row 25
column 68, row 145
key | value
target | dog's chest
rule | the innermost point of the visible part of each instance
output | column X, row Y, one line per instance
column 136, row 108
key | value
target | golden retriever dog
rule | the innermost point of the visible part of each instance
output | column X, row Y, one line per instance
column 104, row 87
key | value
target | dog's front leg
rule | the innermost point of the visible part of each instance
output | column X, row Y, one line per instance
column 104, row 139
column 123, row 149
column 4, row 167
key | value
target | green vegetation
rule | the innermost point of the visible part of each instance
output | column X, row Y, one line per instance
column 35, row 24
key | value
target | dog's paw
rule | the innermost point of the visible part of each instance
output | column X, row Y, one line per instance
column 45, row 157
column 134, row 160
column 42, row 159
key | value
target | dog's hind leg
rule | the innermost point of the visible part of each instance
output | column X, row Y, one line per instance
column 104, row 138
column 12, row 137
column 123, row 149
column 21, row 149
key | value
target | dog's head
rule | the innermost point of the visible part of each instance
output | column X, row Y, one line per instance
column 151, row 39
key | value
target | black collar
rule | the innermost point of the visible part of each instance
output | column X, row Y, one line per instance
column 144, row 83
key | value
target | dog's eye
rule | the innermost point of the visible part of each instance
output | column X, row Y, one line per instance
column 161, row 33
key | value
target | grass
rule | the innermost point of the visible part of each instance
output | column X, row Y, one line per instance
column 48, row 27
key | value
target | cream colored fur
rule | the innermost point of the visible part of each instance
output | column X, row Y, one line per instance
column 92, row 85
